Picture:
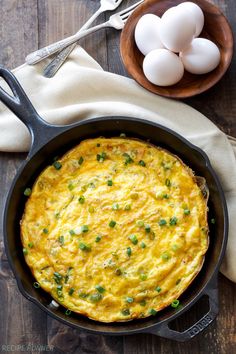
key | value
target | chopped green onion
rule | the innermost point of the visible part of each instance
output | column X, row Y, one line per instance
column 84, row 228
column 133, row 239
column 98, row 145
column 142, row 163
column 167, row 165
column 27, row 192
column 143, row 276
column 59, row 293
column 71, row 186
column 153, row 312
column 101, row 157
column 127, row 207
column 213, row 221
column 57, row 165
column 147, row 229
column 158, row 289
column 129, row 251
column 143, row 245
column 178, row 281
column 45, row 231
column 143, row 302
column 122, row 135
column 140, row 223
column 129, row 299
column 98, row 238
column 95, row 297
column 81, row 160
column 165, row 196
column 83, row 295
column 165, row 256
column 112, row 223
column 186, row 211
column 61, row 239
column 168, row 182
column 162, row 222
column 84, row 247
column 173, row 220
column 57, row 215
column 71, row 291
column 36, row 285
column 68, row 274
column 109, row 183
column 125, row 312
column 115, row 206
column 68, row 312
column 175, row 304
column 72, row 232
column 100, row 289
column 81, row 199
column 128, row 158
column 25, row 251
column 57, row 277
column 30, row 244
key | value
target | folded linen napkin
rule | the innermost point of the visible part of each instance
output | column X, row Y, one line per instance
column 82, row 90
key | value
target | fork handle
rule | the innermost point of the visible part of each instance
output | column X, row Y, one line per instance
column 45, row 52
column 51, row 69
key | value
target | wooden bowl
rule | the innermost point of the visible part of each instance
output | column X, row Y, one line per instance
column 216, row 28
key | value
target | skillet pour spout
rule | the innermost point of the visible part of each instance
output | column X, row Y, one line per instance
column 49, row 141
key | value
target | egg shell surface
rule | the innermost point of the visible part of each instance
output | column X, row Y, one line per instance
column 177, row 29
column 196, row 13
column 147, row 33
column 201, row 57
column 162, row 67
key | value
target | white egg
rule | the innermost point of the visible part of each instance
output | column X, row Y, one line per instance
column 201, row 57
column 147, row 33
column 162, row 67
column 197, row 14
column 177, row 29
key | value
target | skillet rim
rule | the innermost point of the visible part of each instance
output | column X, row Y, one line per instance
column 210, row 283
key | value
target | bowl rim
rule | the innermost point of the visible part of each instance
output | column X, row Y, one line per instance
column 178, row 93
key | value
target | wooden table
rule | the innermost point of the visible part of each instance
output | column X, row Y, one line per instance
column 25, row 26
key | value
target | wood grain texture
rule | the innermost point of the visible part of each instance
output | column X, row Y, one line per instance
column 25, row 26
column 21, row 322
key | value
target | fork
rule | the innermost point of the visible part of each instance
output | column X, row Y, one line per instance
column 51, row 69
column 116, row 21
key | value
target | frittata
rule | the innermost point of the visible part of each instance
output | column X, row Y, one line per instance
column 116, row 229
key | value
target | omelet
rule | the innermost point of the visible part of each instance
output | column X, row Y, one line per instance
column 116, row 229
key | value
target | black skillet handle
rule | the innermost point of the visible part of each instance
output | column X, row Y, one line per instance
column 164, row 331
column 21, row 106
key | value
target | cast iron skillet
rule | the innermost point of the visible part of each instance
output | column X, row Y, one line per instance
column 49, row 141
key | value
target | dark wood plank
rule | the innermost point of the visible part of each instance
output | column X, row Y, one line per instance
column 18, row 30
column 219, row 103
column 21, row 323
column 60, row 18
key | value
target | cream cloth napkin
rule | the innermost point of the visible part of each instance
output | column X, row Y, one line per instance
column 81, row 90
